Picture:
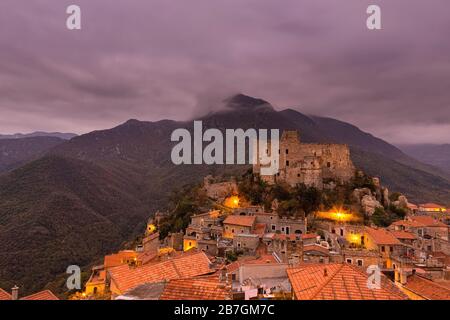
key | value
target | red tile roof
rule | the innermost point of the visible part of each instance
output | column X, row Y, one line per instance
column 246, row 221
column 382, row 236
column 338, row 282
column 43, row 295
column 117, row 259
column 315, row 247
column 201, row 288
column 185, row 266
column 427, row 221
column 260, row 229
column 309, row 236
column 4, row 295
column 428, row 289
column 403, row 235
column 431, row 206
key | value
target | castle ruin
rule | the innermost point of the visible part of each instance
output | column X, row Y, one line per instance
column 313, row 164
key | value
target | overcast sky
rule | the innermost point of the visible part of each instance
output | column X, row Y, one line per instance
column 150, row 60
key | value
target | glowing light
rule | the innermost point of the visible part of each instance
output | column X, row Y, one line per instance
column 232, row 202
column 151, row 228
column 337, row 214
column 354, row 238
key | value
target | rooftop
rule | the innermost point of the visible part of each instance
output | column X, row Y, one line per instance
column 338, row 282
column 382, row 236
column 426, row 288
column 200, row 288
column 184, row 266
column 246, row 221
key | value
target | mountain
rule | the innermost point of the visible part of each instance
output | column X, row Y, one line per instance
column 88, row 195
column 64, row 136
column 16, row 152
column 437, row 155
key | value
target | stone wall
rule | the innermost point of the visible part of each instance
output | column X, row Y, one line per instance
column 310, row 163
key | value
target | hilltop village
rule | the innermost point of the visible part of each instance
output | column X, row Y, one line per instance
column 314, row 231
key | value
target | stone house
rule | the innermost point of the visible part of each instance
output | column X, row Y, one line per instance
column 233, row 225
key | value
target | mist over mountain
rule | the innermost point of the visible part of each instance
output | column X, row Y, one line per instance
column 88, row 195
column 437, row 155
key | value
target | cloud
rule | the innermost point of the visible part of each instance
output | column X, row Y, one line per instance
column 177, row 59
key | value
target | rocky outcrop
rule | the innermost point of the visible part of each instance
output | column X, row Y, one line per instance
column 402, row 202
column 369, row 203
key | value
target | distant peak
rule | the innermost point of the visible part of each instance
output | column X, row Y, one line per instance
column 242, row 101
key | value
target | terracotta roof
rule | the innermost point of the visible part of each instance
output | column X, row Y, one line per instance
column 382, row 236
column 427, row 221
column 309, row 236
column 431, row 205
column 146, row 257
column 338, row 282
column 43, row 295
column 266, row 258
column 403, row 235
column 185, row 266
column 201, row 288
column 315, row 247
column 407, row 223
column 427, row 289
column 246, row 221
column 412, row 206
column 260, row 229
column 4, row 295
column 117, row 259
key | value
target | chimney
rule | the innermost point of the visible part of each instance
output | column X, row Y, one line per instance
column 325, row 272
column 15, row 293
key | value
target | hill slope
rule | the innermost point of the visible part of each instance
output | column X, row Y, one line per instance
column 437, row 155
column 16, row 152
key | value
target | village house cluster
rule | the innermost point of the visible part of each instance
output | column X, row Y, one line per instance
column 243, row 251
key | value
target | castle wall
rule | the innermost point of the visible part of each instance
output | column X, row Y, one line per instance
column 310, row 163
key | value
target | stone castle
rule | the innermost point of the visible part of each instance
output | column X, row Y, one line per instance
column 313, row 164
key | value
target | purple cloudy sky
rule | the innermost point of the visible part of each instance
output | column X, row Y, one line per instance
column 154, row 59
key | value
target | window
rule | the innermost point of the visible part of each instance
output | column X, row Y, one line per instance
column 298, row 175
column 287, row 151
column 95, row 290
column 232, row 230
column 329, row 164
column 383, row 249
column 273, row 227
column 349, row 261
column 287, row 163
column 321, row 260
column 391, row 249
column 342, row 232
column 359, row 262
